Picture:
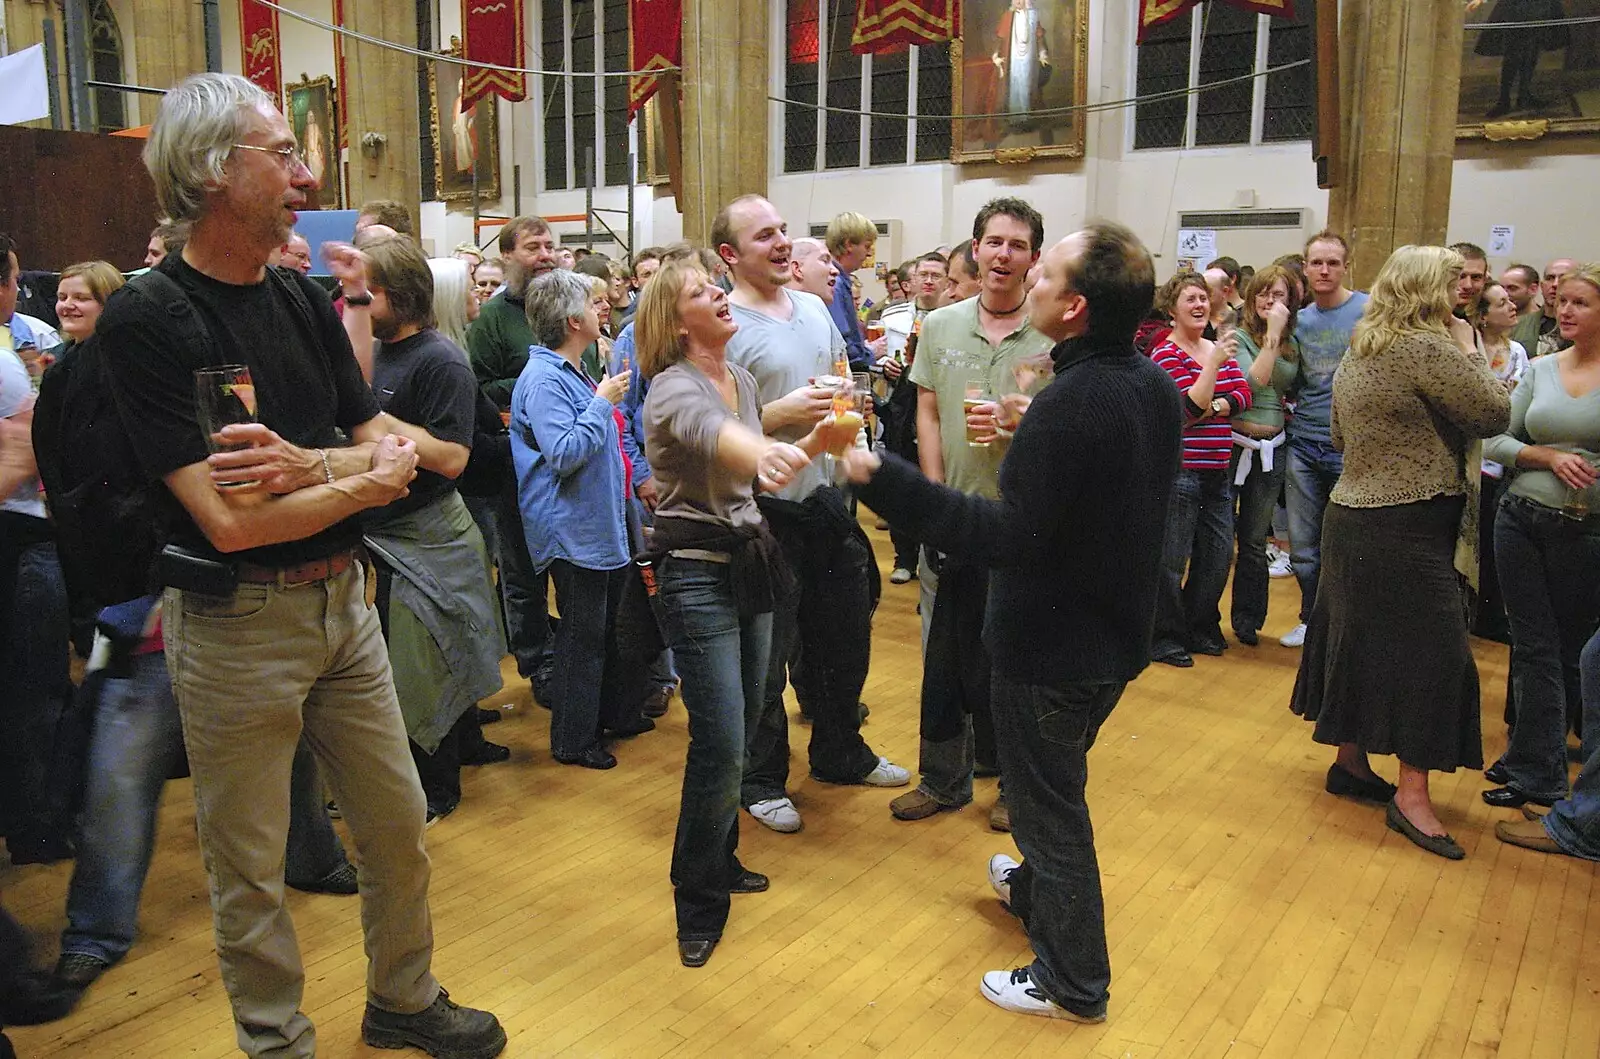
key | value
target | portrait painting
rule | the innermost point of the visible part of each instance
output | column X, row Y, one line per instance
column 310, row 106
column 1521, row 80
column 462, row 140
column 1017, row 63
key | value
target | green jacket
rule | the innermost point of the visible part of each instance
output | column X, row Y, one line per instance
column 498, row 345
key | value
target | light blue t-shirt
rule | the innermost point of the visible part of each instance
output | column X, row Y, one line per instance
column 1324, row 338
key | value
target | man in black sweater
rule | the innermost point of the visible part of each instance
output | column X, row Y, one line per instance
column 1075, row 547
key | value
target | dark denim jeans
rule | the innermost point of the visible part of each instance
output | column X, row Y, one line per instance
column 1200, row 536
column 587, row 669
column 1549, row 568
column 440, row 771
column 524, row 594
column 723, row 663
column 1252, row 524
column 35, row 687
column 1574, row 822
column 830, row 615
column 1044, row 734
column 1314, row 469
column 313, row 850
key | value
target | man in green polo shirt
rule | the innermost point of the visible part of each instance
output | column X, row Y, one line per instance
column 977, row 343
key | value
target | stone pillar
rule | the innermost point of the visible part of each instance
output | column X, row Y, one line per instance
column 1400, row 75
column 725, row 109
column 169, row 45
column 381, row 92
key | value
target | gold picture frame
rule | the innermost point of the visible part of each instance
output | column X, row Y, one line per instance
column 655, row 146
column 1504, row 96
column 1056, row 30
column 310, row 107
column 475, row 133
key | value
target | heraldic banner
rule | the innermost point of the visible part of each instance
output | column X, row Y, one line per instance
column 258, row 33
column 1155, row 12
column 491, row 32
column 883, row 25
column 655, row 43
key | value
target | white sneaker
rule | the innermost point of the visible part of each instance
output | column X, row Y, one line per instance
column 887, row 774
column 900, row 576
column 1278, row 564
column 1001, row 866
column 1015, row 991
column 1295, row 637
column 778, row 814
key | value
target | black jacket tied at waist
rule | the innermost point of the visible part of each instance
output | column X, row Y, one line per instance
column 760, row 576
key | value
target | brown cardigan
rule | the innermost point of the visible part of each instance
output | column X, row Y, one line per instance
column 1406, row 416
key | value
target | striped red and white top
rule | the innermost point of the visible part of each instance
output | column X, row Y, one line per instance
column 1207, row 442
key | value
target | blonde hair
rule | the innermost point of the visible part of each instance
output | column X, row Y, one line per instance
column 1589, row 273
column 657, row 332
column 1415, row 293
column 101, row 277
column 850, row 227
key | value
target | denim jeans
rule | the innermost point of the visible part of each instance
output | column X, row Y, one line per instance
column 1574, row 822
column 1044, row 734
column 723, row 663
column 34, row 667
column 1549, row 569
column 587, row 669
column 1199, row 535
column 1314, row 469
column 956, row 727
column 524, row 593
column 1256, row 500
column 313, row 850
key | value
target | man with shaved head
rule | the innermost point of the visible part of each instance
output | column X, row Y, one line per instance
column 1521, row 283
column 813, row 269
column 1550, row 340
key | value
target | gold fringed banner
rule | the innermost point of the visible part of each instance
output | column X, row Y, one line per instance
column 886, row 25
column 491, row 32
column 655, row 44
column 1154, row 12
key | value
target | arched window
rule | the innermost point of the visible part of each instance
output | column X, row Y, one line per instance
column 105, row 64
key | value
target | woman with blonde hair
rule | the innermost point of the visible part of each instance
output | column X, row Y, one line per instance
column 1387, row 668
column 455, row 302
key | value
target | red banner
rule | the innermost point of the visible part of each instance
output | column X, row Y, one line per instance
column 491, row 32
column 258, row 40
column 888, row 25
column 655, row 42
column 341, row 93
column 1155, row 12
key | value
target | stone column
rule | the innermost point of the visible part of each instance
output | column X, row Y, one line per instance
column 381, row 91
column 169, row 45
column 725, row 109
column 1400, row 75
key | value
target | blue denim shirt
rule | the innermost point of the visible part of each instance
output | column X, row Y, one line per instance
column 632, row 405
column 570, row 477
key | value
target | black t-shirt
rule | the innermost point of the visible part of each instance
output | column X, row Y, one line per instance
column 426, row 381
column 308, row 384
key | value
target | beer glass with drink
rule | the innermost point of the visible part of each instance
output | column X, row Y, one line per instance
column 224, row 396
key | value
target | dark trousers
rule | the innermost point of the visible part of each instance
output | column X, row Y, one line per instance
column 1199, row 536
column 829, row 617
column 313, row 850
column 34, row 668
column 440, row 771
column 524, row 592
column 899, row 415
column 956, row 686
column 1256, row 498
column 1044, row 733
column 587, row 669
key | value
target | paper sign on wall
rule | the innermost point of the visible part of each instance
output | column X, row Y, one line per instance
column 1501, row 239
column 1197, row 243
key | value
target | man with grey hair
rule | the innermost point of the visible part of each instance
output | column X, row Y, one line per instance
column 813, row 268
column 267, row 627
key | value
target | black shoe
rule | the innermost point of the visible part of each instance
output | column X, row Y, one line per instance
column 635, row 727
column 863, row 712
column 1439, row 845
column 750, row 882
column 38, row 849
column 34, row 998
column 1208, row 645
column 444, row 1029
column 1247, row 636
column 78, row 970
column 593, row 758
column 488, row 716
column 437, row 813
column 1497, row 774
column 1178, row 658
column 695, row 953
column 487, row 753
column 1510, row 798
column 341, row 881
column 656, row 704
column 1346, row 784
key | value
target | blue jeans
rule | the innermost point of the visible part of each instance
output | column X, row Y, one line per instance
column 1256, row 499
column 524, row 594
column 1044, row 734
column 1549, row 569
column 723, row 663
column 587, row 668
column 1200, row 536
column 1574, row 822
column 1314, row 469
column 34, row 668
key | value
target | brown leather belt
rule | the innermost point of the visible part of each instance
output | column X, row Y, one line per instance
column 306, row 573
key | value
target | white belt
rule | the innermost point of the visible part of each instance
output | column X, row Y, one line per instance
column 1251, row 446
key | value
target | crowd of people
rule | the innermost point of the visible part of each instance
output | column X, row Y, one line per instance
column 1063, row 454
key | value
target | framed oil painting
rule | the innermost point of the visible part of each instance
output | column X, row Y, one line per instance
column 462, row 141
column 1521, row 82
column 1016, row 61
column 310, row 106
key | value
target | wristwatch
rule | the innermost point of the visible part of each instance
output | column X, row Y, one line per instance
column 1220, row 407
column 364, row 298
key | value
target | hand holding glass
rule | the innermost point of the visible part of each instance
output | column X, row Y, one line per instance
column 224, row 396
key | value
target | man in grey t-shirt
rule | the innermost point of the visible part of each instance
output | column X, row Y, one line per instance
column 821, row 634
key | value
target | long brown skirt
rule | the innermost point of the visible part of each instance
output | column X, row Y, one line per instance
column 1386, row 663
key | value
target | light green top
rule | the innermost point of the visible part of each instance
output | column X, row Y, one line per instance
column 1266, row 402
column 953, row 351
column 1543, row 413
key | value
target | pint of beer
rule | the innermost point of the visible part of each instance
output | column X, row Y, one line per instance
column 973, row 398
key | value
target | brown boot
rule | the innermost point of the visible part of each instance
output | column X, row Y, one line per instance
column 1000, row 815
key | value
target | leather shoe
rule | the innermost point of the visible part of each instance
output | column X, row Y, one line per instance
column 1206, row 645
column 750, row 882
column 1511, row 798
column 918, row 804
column 1343, row 782
column 1247, row 636
column 1529, row 834
column 593, row 758
column 1497, row 774
column 1000, row 815
column 1179, row 658
column 695, row 953
column 1439, row 845
column 341, row 881
column 488, row 716
column 637, row 726
column 33, row 998
column 79, row 970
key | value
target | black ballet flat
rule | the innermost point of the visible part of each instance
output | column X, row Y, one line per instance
column 750, row 882
column 1511, row 798
column 1439, row 845
column 1346, row 784
column 695, row 953
column 1497, row 774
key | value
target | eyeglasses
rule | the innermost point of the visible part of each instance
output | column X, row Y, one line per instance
column 291, row 156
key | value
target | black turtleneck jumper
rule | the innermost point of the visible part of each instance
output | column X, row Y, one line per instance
column 1075, row 540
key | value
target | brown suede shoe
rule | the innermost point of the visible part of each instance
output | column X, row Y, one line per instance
column 1529, row 834
column 1000, row 816
column 918, row 804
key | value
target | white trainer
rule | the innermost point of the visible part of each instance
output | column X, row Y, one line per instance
column 777, row 813
column 1015, row 991
column 1278, row 564
column 887, row 774
column 900, row 576
column 1295, row 637
column 1001, row 866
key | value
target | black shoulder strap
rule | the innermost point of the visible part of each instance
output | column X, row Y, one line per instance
column 297, row 295
column 165, row 292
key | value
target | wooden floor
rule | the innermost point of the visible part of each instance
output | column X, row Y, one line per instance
column 1249, row 913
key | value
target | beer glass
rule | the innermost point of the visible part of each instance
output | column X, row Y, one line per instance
column 223, row 396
